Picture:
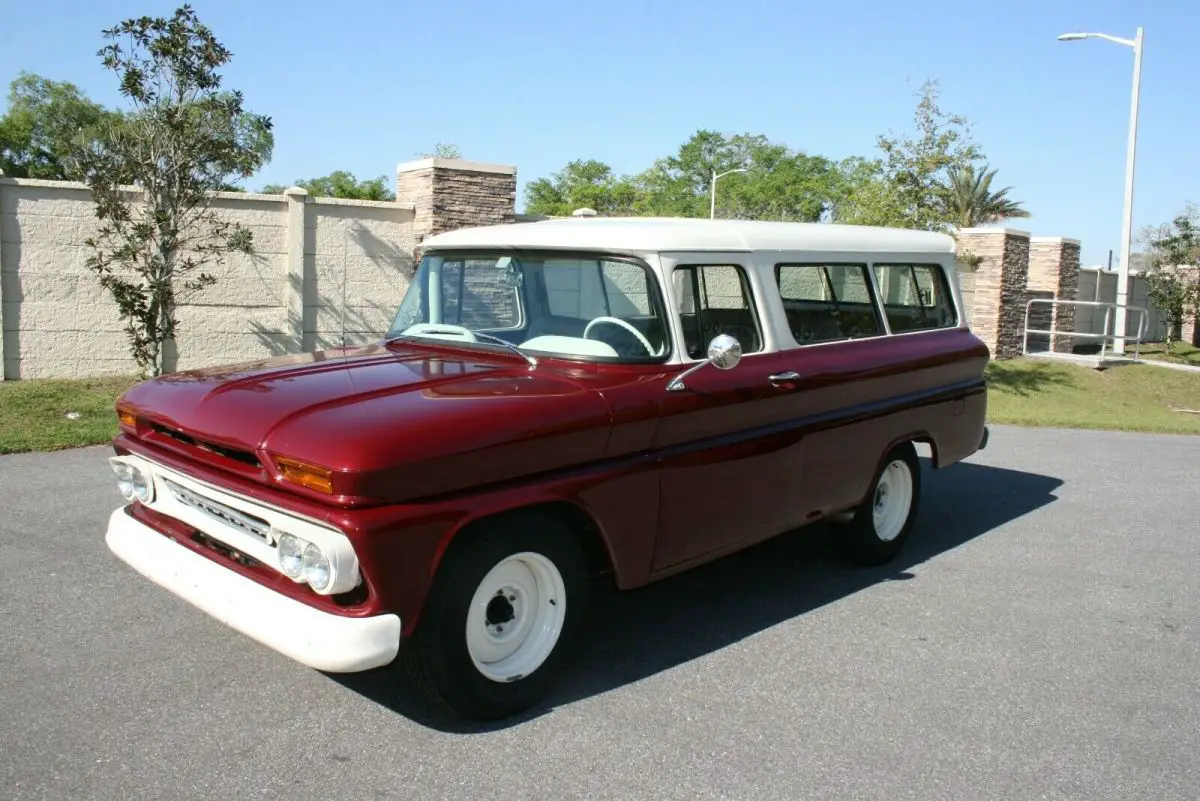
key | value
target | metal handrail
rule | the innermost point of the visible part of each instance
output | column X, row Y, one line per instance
column 1103, row 337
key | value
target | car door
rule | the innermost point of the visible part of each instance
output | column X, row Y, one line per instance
column 729, row 455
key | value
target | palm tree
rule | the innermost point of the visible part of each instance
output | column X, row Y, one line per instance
column 970, row 200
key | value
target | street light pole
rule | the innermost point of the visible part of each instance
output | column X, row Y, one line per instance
column 1130, row 160
column 712, row 206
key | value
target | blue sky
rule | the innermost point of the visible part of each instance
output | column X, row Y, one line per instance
column 363, row 85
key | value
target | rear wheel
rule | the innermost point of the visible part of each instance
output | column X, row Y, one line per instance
column 503, row 617
column 883, row 522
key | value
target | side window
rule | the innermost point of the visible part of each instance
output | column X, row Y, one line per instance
column 916, row 297
column 715, row 299
column 827, row 302
column 474, row 294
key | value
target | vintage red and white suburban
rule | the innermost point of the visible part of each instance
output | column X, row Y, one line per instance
column 556, row 403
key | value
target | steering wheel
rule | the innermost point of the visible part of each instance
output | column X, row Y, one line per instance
column 621, row 323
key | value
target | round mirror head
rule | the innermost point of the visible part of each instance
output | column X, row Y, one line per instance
column 724, row 352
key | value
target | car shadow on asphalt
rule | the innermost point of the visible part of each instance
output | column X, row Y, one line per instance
column 637, row 634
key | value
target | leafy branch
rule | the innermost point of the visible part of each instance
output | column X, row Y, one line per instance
column 154, row 174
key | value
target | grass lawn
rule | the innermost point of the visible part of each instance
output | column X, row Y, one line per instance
column 1130, row 397
column 33, row 413
column 1181, row 353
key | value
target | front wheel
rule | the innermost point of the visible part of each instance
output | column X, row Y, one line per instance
column 503, row 617
column 883, row 522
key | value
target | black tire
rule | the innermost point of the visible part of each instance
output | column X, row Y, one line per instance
column 440, row 662
column 859, row 540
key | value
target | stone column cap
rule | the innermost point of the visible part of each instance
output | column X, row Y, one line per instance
column 1054, row 240
column 1005, row 231
column 454, row 164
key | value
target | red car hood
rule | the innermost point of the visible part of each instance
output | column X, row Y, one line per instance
column 392, row 421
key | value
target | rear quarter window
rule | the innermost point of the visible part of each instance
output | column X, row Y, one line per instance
column 915, row 297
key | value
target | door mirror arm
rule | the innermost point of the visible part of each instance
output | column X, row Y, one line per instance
column 724, row 353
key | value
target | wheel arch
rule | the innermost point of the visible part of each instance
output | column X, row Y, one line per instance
column 922, row 438
column 910, row 439
column 573, row 515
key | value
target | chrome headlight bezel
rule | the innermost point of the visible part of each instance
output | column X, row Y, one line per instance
column 135, row 482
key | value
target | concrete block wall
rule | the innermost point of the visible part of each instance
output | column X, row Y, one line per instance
column 357, row 266
column 321, row 267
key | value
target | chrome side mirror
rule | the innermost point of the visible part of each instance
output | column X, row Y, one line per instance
column 724, row 353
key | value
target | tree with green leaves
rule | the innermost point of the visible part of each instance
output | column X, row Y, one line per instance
column 442, row 150
column 582, row 184
column 925, row 180
column 906, row 186
column 971, row 201
column 183, row 139
column 42, row 125
column 780, row 183
column 1173, row 278
column 341, row 184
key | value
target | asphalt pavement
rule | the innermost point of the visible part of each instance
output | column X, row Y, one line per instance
column 1039, row 639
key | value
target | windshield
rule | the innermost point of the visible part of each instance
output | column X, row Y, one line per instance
column 600, row 308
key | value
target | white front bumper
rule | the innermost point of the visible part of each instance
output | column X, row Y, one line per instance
column 321, row 640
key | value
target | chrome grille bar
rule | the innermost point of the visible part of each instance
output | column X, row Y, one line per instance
column 240, row 521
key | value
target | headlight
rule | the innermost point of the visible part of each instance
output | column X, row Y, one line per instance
column 133, row 482
column 291, row 551
column 124, row 480
column 143, row 487
column 317, row 570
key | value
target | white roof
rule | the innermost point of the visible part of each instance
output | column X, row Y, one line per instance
column 651, row 234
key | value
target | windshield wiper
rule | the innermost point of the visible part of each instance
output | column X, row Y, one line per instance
column 527, row 357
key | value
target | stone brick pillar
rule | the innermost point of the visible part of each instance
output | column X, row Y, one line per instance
column 451, row 193
column 1054, row 268
column 998, row 317
column 1189, row 329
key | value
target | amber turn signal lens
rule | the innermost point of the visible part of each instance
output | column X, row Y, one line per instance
column 128, row 419
column 306, row 475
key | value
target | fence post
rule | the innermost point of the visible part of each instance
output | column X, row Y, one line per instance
column 293, row 292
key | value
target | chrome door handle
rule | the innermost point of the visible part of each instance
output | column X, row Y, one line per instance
column 781, row 377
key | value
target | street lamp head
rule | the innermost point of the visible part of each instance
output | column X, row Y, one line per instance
column 1071, row 37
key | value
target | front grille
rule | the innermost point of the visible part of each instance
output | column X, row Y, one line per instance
column 229, row 453
column 241, row 521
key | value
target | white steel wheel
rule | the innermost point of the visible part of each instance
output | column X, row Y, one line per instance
column 516, row 616
column 892, row 500
column 883, row 521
